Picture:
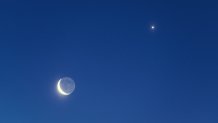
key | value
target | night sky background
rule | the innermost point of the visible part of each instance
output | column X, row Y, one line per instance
column 124, row 72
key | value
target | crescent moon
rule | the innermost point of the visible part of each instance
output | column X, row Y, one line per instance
column 60, row 89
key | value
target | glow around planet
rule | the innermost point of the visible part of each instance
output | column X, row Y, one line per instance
column 65, row 86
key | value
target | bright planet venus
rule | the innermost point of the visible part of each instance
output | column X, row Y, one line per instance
column 65, row 86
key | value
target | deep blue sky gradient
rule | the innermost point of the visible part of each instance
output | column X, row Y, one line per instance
column 124, row 72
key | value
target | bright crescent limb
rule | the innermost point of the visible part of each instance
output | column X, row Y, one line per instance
column 60, row 89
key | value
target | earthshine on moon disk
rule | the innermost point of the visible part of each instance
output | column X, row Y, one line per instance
column 65, row 86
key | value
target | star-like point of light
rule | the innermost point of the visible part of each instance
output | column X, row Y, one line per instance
column 152, row 27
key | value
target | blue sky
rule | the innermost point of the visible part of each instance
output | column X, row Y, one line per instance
column 124, row 72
